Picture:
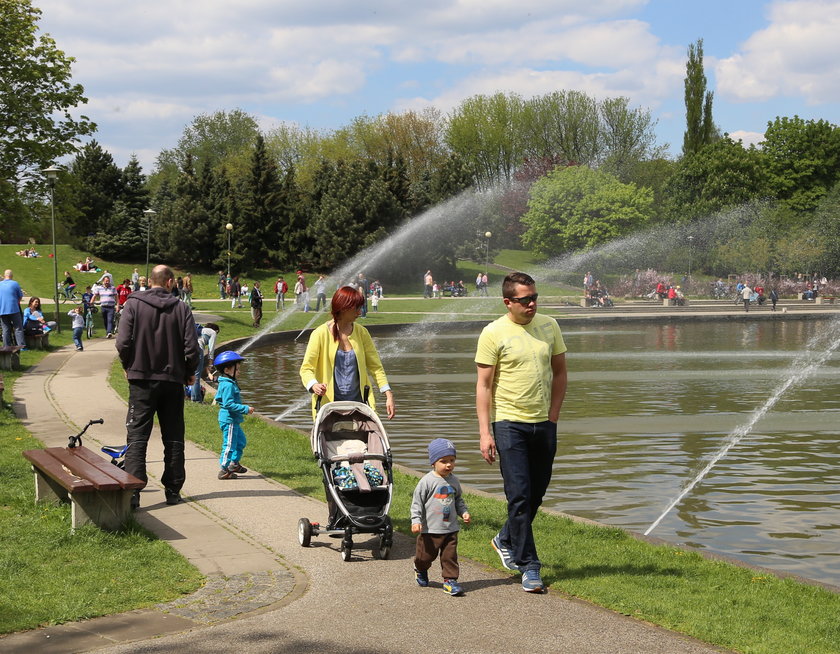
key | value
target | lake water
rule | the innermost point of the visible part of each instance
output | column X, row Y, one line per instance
column 647, row 404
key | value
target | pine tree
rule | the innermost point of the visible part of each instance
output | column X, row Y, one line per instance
column 100, row 186
column 259, row 234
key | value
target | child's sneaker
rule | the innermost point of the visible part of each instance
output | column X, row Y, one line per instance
column 422, row 578
column 451, row 587
column 226, row 473
column 237, row 467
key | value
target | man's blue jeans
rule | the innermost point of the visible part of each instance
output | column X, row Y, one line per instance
column 12, row 326
column 526, row 456
column 108, row 318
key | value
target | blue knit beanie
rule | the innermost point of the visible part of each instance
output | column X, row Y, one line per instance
column 439, row 448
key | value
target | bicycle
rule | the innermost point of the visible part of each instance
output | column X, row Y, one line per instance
column 67, row 293
column 89, row 321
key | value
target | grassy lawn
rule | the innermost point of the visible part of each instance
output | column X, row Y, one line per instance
column 50, row 576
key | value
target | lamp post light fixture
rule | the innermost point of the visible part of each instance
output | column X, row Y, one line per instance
column 52, row 175
column 150, row 216
column 229, row 228
column 690, row 250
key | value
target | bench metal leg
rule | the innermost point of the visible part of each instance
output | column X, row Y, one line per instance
column 108, row 510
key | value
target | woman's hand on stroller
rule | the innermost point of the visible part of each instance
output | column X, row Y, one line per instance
column 319, row 389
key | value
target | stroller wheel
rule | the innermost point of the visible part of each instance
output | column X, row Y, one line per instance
column 346, row 549
column 304, row 532
column 384, row 550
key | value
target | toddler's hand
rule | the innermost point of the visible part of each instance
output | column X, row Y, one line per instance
column 250, row 409
column 416, row 528
column 466, row 518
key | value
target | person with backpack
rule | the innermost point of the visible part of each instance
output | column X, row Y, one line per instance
column 256, row 300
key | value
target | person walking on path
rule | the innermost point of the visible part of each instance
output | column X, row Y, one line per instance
column 280, row 290
column 188, row 290
column 428, row 280
column 774, row 297
column 235, row 292
column 256, row 302
column 521, row 385
column 107, row 295
column 231, row 414
column 746, row 293
column 434, row 520
column 320, row 288
column 158, row 350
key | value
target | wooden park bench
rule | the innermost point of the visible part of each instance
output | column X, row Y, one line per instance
column 37, row 341
column 10, row 357
column 98, row 491
column 827, row 299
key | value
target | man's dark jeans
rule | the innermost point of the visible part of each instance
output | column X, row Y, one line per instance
column 526, row 456
column 145, row 399
column 108, row 318
column 13, row 326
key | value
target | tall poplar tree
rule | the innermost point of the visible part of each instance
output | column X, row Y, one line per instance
column 700, row 129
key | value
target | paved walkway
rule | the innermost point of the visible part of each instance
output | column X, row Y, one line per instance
column 265, row 593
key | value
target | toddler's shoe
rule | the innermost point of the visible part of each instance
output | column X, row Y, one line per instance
column 421, row 577
column 237, row 467
column 451, row 587
column 227, row 473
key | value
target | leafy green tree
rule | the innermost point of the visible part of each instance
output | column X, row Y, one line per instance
column 36, row 96
column 700, row 129
column 223, row 138
column 576, row 207
column 627, row 135
column 803, row 160
column 121, row 236
column 720, row 175
column 562, row 124
column 484, row 132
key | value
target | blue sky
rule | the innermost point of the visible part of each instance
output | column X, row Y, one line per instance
column 148, row 68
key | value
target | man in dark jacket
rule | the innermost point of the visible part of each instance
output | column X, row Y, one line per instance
column 158, row 349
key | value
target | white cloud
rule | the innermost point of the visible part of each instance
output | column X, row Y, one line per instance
column 796, row 55
column 747, row 138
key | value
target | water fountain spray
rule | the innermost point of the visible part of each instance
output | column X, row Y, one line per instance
column 818, row 351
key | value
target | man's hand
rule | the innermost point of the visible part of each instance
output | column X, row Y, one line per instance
column 488, row 447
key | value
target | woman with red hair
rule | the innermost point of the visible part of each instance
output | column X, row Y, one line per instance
column 341, row 358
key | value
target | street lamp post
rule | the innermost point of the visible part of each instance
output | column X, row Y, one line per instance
column 229, row 229
column 150, row 215
column 690, row 250
column 487, row 235
column 52, row 175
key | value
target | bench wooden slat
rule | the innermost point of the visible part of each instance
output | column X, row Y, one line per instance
column 120, row 476
column 81, row 468
column 51, row 467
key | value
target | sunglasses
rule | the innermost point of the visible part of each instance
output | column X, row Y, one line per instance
column 525, row 300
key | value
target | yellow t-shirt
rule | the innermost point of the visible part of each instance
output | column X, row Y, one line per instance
column 522, row 357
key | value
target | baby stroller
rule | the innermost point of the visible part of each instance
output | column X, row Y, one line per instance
column 352, row 449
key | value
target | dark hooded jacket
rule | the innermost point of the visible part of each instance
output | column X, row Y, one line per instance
column 157, row 337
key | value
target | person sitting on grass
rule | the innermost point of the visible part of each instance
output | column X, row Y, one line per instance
column 231, row 414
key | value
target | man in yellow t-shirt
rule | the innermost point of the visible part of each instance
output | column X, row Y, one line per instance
column 521, row 384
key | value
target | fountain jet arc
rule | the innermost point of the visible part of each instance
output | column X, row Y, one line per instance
column 817, row 352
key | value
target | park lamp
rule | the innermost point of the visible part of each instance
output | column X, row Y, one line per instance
column 229, row 228
column 52, row 175
column 150, row 216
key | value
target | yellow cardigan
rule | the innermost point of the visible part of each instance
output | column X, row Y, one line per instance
column 319, row 362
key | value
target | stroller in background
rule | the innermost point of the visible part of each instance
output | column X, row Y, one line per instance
column 354, row 455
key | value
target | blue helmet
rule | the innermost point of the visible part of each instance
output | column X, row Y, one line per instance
column 226, row 358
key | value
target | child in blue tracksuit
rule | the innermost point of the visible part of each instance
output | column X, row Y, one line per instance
column 231, row 414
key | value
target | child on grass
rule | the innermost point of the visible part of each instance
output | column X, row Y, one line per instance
column 231, row 414
column 435, row 508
